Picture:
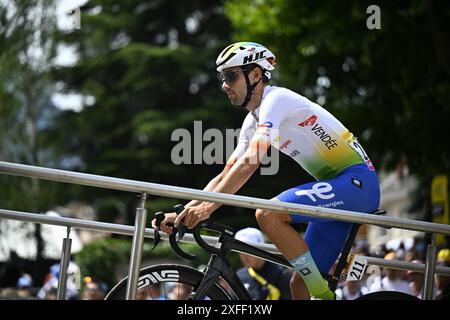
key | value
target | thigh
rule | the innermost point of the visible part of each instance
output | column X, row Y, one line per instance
column 351, row 191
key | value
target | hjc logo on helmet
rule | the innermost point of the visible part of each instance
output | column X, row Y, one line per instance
column 252, row 57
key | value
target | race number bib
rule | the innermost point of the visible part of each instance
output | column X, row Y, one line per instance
column 356, row 266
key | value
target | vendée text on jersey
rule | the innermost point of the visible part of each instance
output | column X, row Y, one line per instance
column 325, row 137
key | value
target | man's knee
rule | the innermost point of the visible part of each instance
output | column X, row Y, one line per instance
column 262, row 215
column 268, row 218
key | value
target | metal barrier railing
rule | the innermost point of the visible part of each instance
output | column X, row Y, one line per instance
column 145, row 188
column 188, row 238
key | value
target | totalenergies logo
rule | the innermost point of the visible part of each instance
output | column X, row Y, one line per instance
column 309, row 122
column 321, row 190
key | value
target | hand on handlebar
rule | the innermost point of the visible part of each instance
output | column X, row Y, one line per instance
column 193, row 215
column 169, row 223
column 166, row 225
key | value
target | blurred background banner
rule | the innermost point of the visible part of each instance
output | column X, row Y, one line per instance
column 439, row 203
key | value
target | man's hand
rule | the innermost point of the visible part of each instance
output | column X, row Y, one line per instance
column 193, row 215
column 168, row 218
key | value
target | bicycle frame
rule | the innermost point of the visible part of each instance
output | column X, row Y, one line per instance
column 219, row 266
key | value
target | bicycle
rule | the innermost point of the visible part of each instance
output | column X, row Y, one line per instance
column 208, row 284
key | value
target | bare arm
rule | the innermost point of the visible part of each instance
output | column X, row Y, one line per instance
column 230, row 182
column 252, row 146
column 209, row 187
column 241, row 171
column 217, row 179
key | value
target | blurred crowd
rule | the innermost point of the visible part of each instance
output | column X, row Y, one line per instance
column 379, row 279
column 406, row 281
column 89, row 288
column 263, row 280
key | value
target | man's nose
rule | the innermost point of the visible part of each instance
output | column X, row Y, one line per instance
column 225, row 86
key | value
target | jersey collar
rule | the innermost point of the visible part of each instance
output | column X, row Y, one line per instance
column 267, row 89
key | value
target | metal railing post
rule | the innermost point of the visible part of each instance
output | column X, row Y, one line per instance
column 64, row 263
column 430, row 269
column 136, row 249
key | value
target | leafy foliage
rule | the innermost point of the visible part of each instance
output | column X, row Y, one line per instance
column 389, row 86
column 149, row 74
column 147, row 68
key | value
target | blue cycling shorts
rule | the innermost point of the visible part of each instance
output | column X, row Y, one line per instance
column 354, row 189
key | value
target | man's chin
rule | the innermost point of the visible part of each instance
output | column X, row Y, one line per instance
column 235, row 102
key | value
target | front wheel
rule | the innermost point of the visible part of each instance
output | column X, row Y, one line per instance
column 167, row 282
column 387, row 295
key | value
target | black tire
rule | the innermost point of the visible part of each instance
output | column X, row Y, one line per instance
column 168, row 278
column 387, row 295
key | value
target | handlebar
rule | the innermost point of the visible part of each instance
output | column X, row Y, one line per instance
column 208, row 224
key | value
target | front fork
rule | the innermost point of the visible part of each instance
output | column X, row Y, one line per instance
column 211, row 275
column 219, row 267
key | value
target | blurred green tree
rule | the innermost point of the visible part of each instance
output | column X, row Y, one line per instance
column 390, row 86
column 145, row 69
column 26, row 54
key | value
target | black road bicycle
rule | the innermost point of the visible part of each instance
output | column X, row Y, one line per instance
column 218, row 281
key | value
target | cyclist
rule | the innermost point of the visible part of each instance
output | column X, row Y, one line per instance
column 314, row 138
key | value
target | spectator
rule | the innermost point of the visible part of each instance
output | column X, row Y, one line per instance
column 350, row 290
column 51, row 281
column 24, row 285
column 415, row 281
column 392, row 281
column 411, row 255
column 94, row 289
column 51, row 294
column 180, row 291
column 263, row 280
column 361, row 248
column 151, row 292
column 442, row 282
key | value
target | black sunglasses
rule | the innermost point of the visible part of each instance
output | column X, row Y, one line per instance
column 229, row 76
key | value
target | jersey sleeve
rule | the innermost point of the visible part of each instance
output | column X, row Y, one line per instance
column 273, row 111
column 245, row 135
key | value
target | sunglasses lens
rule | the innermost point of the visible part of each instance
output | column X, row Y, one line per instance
column 229, row 76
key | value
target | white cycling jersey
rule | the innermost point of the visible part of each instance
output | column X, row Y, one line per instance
column 303, row 130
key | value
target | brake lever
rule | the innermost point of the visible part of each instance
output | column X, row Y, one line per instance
column 159, row 217
column 181, row 227
column 180, row 231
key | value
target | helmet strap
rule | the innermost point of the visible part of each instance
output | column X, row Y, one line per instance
column 250, row 88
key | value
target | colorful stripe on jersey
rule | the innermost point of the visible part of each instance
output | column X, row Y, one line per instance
column 334, row 151
column 340, row 151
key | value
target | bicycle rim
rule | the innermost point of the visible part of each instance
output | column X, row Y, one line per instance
column 167, row 282
column 387, row 295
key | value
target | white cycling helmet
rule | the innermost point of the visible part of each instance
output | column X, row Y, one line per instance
column 241, row 54
column 244, row 53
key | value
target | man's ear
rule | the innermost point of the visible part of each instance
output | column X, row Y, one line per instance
column 257, row 74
